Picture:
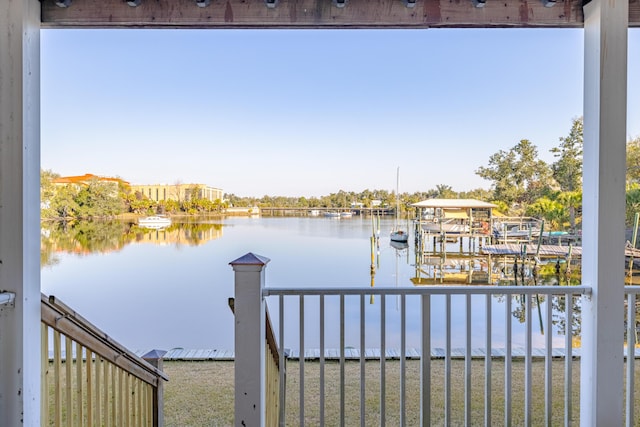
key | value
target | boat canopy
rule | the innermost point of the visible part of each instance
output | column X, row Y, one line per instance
column 455, row 214
column 454, row 204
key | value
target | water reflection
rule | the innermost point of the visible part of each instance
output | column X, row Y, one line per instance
column 90, row 237
column 169, row 288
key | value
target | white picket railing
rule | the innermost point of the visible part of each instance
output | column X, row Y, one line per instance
column 304, row 326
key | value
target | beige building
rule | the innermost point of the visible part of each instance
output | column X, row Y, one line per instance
column 179, row 192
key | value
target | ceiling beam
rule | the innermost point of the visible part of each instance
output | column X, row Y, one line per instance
column 316, row 14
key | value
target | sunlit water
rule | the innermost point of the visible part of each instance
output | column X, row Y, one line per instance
column 165, row 289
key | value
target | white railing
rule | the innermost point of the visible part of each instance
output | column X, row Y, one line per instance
column 454, row 327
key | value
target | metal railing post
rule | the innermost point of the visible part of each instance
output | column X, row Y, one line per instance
column 250, row 329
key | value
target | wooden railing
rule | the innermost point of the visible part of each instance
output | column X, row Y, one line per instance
column 89, row 379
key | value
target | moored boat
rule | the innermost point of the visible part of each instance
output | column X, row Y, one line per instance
column 155, row 221
column 397, row 233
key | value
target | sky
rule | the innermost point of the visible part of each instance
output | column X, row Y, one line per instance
column 309, row 112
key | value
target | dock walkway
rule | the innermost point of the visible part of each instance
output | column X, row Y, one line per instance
column 531, row 249
column 179, row 354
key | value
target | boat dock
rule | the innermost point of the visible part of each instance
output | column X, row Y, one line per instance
column 195, row 355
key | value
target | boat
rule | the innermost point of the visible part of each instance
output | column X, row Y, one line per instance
column 397, row 233
column 347, row 214
column 154, row 221
column 332, row 214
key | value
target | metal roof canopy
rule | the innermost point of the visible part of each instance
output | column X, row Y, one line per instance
column 318, row 13
column 454, row 204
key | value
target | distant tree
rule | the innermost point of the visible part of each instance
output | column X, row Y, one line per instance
column 98, row 199
column 445, row 192
column 552, row 211
column 63, row 203
column 572, row 201
column 633, row 162
column 47, row 193
column 567, row 170
column 518, row 177
column 478, row 194
column 632, row 204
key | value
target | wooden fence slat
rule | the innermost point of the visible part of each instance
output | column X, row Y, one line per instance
column 79, row 386
column 56, row 378
column 89, row 371
column 68, row 362
column 98, row 385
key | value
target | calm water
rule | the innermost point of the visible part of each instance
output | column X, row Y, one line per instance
column 165, row 289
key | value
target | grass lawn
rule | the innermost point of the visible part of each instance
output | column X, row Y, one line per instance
column 201, row 393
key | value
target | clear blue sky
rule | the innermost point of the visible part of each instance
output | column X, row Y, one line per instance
column 308, row 113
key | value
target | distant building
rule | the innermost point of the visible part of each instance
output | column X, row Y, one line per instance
column 178, row 192
column 88, row 178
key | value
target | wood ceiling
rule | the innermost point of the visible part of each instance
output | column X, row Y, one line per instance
column 317, row 13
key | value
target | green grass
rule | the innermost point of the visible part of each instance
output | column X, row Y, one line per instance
column 201, row 393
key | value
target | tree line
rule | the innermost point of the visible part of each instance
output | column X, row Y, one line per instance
column 520, row 184
column 100, row 199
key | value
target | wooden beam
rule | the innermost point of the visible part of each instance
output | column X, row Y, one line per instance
column 317, row 14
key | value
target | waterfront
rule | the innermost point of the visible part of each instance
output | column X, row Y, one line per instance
column 165, row 289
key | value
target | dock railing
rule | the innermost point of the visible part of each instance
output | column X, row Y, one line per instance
column 423, row 385
column 89, row 379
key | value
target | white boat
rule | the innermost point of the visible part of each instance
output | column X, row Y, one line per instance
column 397, row 233
column 332, row 214
column 154, row 221
column 346, row 214
column 314, row 212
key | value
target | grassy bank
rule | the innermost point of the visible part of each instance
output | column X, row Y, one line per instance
column 201, row 393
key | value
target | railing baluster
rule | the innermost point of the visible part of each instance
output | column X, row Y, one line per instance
column 383, row 359
column 79, row 385
column 322, row 360
column 68, row 361
column 447, row 362
column 527, row 361
column 282, row 369
column 467, row 362
column 403, row 352
column 362, row 362
column 631, row 346
column 568, row 360
column 507, row 361
column 425, row 360
column 487, row 364
column 342, row 396
column 548, row 359
column 89, row 375
column 98, row 384
column 127, row 400
column 114, row 392
column 56, row 378
column 301, row 360
column 105, row 393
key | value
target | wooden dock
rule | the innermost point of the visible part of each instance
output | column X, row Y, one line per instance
column 369, row 354
column 545, row 251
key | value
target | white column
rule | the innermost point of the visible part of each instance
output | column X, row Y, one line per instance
column 250, row 340
column 605, row 112
column 20, row 212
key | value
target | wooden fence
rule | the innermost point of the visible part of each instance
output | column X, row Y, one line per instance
column 88, row 379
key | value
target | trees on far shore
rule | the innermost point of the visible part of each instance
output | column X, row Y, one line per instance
column 520, row 184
